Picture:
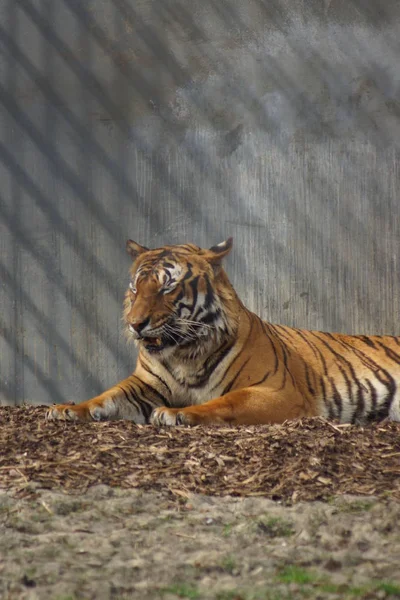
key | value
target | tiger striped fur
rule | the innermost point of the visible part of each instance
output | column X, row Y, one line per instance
column 205, row 358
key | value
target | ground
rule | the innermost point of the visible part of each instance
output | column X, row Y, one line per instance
column 309, row 509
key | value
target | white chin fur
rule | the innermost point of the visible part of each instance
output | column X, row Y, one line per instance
column 133, row 333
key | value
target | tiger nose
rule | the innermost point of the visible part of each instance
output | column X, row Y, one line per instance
column 139, row 324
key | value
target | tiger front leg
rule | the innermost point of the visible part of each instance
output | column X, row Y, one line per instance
column 248, row 406
column 132, row 399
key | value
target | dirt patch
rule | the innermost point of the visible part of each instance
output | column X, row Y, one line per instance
column 111, row 543
column 213, row 513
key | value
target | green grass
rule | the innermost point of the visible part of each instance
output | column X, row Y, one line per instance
column 257, row 594
column 227, row 530
column 357, row 506
column 293, row 574
column 310, row 584
column 230, row 595
column 390, row 588
column 320, row 583
column 229, row 564
column 182, row 590
column 343, row 589
column 253, row 594
column 374, row 586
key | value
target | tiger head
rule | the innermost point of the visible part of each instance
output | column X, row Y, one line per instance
column 179, row 297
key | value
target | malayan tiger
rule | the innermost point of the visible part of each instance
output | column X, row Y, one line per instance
column 205, row 358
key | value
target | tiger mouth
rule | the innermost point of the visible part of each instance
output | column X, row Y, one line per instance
column 152, row 341
column 152, row 344
column 159, row 342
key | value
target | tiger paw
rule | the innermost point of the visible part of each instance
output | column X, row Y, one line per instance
column 85, row 411
column 171, row 416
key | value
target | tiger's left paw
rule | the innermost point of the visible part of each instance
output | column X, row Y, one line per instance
column 171, row 416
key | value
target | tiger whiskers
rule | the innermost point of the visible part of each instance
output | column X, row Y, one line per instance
column 180, row 320
column 193, row 333
column 177, row 336
column 180, row 336
column 168, row 331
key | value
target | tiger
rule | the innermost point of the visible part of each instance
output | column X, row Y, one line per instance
column 205, row 359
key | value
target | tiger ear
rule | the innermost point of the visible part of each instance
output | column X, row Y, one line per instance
column 134, row 249
column 216, row 253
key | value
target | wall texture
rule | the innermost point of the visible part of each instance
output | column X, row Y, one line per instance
column 276, row 122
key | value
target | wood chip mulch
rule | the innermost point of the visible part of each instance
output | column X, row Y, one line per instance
column 310, row 459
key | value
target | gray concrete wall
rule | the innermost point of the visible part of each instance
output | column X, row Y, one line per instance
column 183, row 120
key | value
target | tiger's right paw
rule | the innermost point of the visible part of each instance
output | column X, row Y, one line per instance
column 92, row 410
column 68, row 412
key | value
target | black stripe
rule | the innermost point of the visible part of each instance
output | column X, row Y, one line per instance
column 148, row 369
column 267, row 374
column 210, row 317
column 367, row 340
column 389, row 383
column 324, row 396
column 125, row 394
column 337, row 399
column 145, row 404
column 132, row 400
column 282, row 332
column 194, row 287
column 156, row 393
column 264, row 328
column 360, row 399
column 308, row 380
column 209, row 297
column 390, row 353
column 163, row 253
column 276, row 366
column 180, row 295
column 283, row 381
column 374, row 397
column 308, row 342
column 227, row 369
column 360, row 408
column 188, row 247
column 229, row 386
column 147, row 409
column 212, row 363
column 348, row 384
column 391, row 387
column 364, row 358
column 315, row 349
column 237, row 355
column 285, row 352
column 189, row 272
column 183, row 305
